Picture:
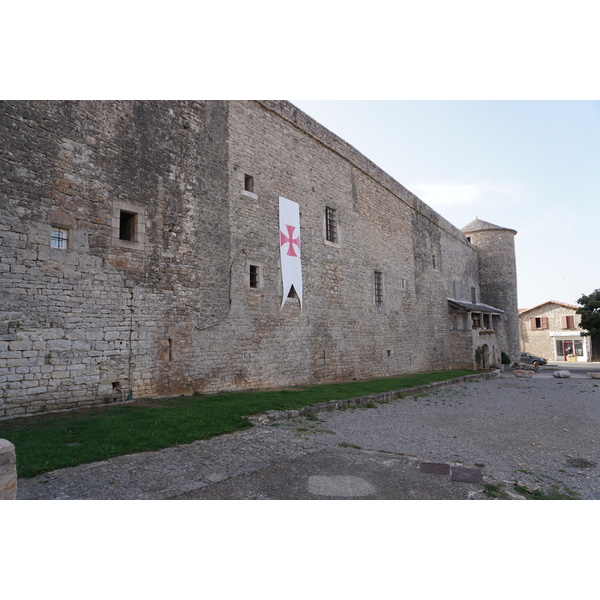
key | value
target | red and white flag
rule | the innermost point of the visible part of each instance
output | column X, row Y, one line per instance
column 289, row 247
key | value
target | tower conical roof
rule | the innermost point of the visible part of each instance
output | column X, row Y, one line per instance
column 479, row 225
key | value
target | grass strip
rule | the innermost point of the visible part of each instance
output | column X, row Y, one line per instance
column 54, row 441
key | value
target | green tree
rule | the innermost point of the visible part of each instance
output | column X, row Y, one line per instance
column 590, row 313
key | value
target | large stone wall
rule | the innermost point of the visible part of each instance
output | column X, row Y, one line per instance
column 79, row 322
column 340, row 333
column 171, row 311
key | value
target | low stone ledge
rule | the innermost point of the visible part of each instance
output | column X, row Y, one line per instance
column 8, row 471
column 272, row 416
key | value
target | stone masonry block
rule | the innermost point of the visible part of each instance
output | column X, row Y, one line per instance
column 55, row 333
column 59, row 345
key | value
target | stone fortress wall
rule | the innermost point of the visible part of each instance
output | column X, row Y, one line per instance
column 173, row 310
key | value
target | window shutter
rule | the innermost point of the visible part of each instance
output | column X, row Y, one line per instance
column 544, row 322
column 532, row 322
column 564, row 322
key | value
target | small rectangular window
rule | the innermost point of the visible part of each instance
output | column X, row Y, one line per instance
column 378, row 283
column 254, row 272
column 473, row 295
column 539, row 322
column 433, row 262
column 59, row 238
column 331, row 229
column 127, row 226
column 249, row 183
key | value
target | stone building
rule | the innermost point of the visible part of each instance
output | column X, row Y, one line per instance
column 497, row 276
column 551, row 330
column 140, row 255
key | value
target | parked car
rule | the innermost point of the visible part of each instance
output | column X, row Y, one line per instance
column 529, row 359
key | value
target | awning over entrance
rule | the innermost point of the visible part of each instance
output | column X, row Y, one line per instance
column 470, row 307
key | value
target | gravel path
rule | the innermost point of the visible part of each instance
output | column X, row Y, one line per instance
column 542, row 432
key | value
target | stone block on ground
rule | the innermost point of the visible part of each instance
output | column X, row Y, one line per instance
column 562, row 374
column 8, row 471
column 522, row 373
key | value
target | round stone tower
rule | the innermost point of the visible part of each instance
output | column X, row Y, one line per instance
column 498, row 277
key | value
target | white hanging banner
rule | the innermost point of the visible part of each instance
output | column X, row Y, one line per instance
column 289, row 247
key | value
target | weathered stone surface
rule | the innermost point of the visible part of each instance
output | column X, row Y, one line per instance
column 8, row 471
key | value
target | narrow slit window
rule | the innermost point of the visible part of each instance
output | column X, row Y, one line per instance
column 59, row 238
column 331, row 228
column 254, row 276
column 378, row 285
column 127, row 226
column 249, row 183
column 457, row 290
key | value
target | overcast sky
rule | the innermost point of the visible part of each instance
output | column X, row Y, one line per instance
column 533, row 166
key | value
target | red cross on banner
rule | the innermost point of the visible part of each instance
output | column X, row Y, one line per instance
column 289, row 239
column 289, row 248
